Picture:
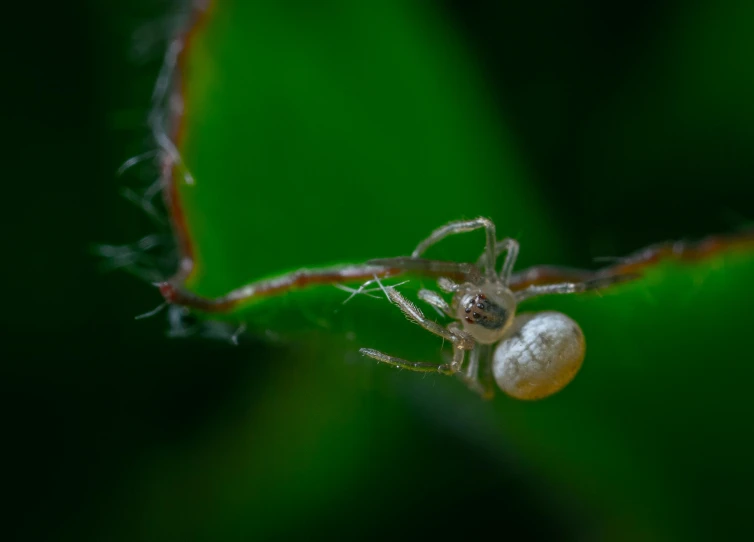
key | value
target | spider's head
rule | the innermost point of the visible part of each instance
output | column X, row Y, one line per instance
column 486, row 312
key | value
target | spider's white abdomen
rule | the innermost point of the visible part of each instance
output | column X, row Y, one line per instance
column 539, row 355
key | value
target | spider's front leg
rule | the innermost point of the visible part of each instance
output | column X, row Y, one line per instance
column 469, row 376
column 460, row 340
column 463, row 226
column 510, row 247
column 466, row 271
column 437, row 301
column 420, row 366
column 452, row 333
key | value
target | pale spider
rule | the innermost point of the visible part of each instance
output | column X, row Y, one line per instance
column 536, row 354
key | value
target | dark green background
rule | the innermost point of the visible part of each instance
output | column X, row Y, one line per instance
column 637, row 120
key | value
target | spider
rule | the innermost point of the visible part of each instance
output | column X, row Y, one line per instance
column 535, row 354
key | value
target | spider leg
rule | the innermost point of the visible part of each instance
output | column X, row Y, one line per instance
column 453, row 333
column 436, row 300
column 419, row 366
column 504, row 245
column 362, row 289
column 464, row 226
column 562, row 288
column 412, row 312
column 447, row 285
column 487, row 379
column 571, row 287
column 468, row 271
column 470, row 376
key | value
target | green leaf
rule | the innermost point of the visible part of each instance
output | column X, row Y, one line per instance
column 373, row 121
column 343, row 131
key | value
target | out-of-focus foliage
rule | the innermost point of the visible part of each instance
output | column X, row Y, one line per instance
column 304, row 150
column 339, row 131
column 371, row 115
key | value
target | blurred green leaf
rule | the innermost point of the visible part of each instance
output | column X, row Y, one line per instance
column 368, row 116
column 344, row 131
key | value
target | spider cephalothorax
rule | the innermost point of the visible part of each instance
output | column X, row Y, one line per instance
column 486, row 312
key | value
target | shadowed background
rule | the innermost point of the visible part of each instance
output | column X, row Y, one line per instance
column 634, row 125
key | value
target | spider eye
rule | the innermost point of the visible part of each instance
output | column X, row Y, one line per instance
column 487, row 314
